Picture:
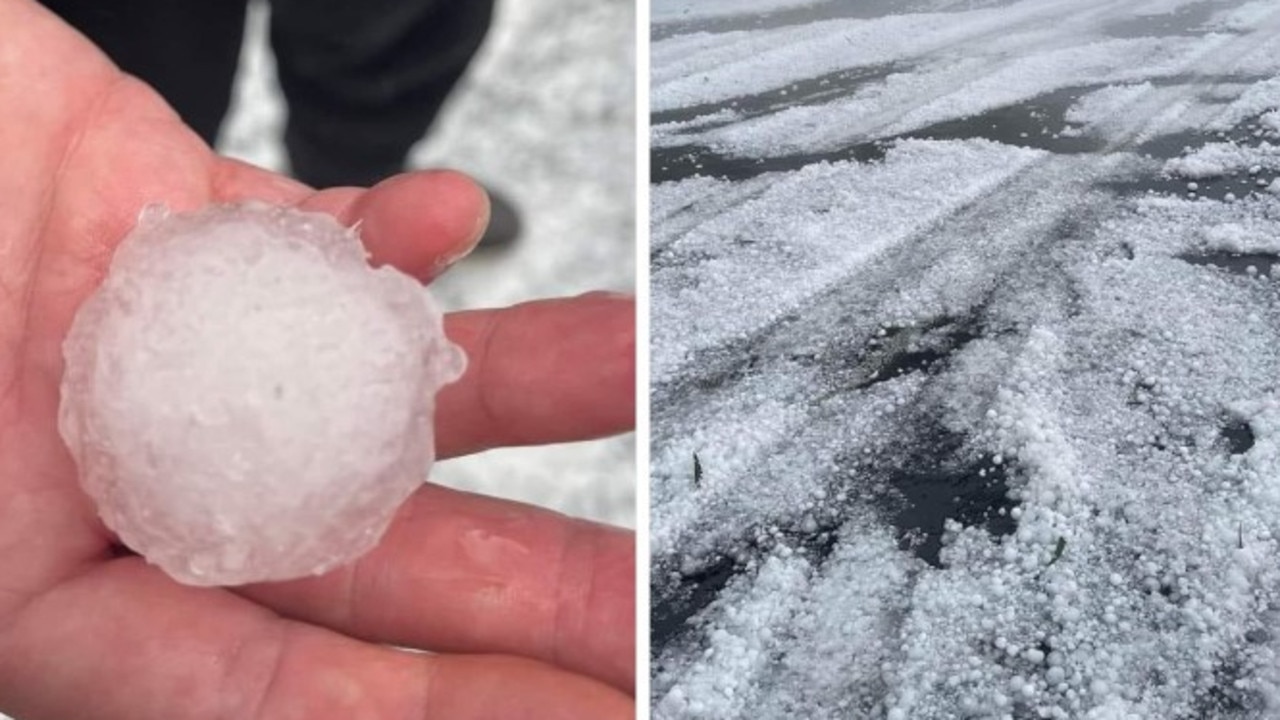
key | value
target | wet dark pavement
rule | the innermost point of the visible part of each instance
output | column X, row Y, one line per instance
column 936, row 474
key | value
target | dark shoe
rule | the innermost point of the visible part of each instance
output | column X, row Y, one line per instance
column 504, row 223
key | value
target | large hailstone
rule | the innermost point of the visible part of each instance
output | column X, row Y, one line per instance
column 246, row 398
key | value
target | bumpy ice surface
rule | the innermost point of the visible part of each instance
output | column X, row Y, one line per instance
column 246, row 398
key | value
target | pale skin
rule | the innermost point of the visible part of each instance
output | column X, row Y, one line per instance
column 525, row 613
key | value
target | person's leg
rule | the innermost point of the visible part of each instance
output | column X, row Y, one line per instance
column 185, row 49
column 365, row 78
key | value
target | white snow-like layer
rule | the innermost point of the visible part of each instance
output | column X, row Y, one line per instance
column 840, row 619
column 756, row 264
column 1153, row 582
column 1224, row 158
column 709, row 67
column 1248, row 16
column 947, row 65
column 1257, row 99
column 720, row 683
column 668, row 11
column 1086, row 336
column 1270, row 121
column 1107, row 102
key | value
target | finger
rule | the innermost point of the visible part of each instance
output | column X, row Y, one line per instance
column 541, row 372
column 123, row 641
column 464, row 573
column 420, row 222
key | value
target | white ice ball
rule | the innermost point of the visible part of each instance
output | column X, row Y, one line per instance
column 246, row 398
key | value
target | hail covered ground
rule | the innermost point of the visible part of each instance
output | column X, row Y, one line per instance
column 970, row 312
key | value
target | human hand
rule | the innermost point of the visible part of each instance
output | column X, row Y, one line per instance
column 526, row 613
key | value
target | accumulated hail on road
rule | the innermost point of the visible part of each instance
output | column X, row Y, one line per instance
column 976, row 361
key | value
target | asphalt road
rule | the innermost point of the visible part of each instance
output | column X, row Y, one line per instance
column 966, row 312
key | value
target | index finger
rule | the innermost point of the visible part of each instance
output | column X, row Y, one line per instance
column 540, row 372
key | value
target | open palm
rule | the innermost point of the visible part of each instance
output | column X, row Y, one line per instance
column 522, row 612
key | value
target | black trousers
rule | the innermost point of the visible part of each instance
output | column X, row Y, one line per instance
column 363, row 78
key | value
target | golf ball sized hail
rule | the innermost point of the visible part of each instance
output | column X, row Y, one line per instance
column 246, row 398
